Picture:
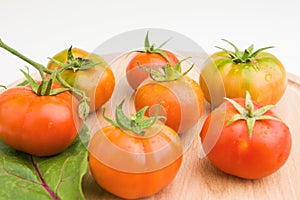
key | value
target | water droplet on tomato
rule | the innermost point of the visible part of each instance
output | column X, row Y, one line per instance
column 268, row 77
column 50, row 124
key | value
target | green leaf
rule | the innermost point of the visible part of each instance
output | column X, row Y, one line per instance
column 140, row 114
column 122, row 120
column 260, row 50
column 136, row 122
column 88, row 66
column 70, row 55
column 249, row 104
column 237, row 51
column 58, row 90
column 237, row 106
column 24, row 176
column 112, row 122
column 34, row 86
column 262, row 110
column 250, row 48
column 162, row 53
column 155, row 75
column 147, row 43
column 267, row 117
column 236, row 117
column 249, row 113
column 230, row 53
column 25, row 82
column 250, row 126
column 164, row 43
column 83, row 109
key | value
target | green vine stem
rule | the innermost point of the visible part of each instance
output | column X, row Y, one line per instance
column 45, row 87
column 41, row 68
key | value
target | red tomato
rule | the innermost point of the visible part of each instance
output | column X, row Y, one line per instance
column 97, row 82
column 134, row 166
column 182, row 101
column 233, row 150
column 38, row 125
column 135, row 76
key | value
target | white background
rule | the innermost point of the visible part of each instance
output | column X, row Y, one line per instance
column 40, row 29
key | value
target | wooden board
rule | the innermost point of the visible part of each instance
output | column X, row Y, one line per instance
column 199, row 179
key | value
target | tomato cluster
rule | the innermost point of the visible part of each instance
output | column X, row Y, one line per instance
column 240, row 136
column 161, row 91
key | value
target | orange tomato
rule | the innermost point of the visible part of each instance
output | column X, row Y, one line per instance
column 182, row 101
column 97, row 82
column 38, row 125
column 132, row 166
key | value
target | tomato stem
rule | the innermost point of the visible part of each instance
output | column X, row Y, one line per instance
column 152, row 49
column 136, row 122
column 167, row 72
column 249, row 114
column 45, row 88
column 243, row 57
column 76, row 64
column 36, row 65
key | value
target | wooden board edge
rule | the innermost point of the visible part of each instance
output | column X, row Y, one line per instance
column 293, row 79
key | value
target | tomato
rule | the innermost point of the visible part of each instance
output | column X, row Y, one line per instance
column 151, row 57
column 38, row 125
column 231, row 74
column 97, row 82
column 130, row 165
column 135, row 76
column 182, row 101
column 236, row 149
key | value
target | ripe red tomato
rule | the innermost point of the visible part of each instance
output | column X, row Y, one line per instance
column 135, row 76
column 243, row 152
column 182, row 101
column 231, row 74
column 97, row 82
column 132, row 165
column 38, row 125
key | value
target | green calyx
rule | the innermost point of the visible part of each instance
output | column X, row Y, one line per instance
column 249, row 114
column 152, row 49
column 167, row 72
column 3, row 86
column 136, row 122
column 45, row 87
column 243, row 56
column 75, row 64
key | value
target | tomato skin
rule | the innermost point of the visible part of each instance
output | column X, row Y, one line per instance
column 134, row 167
column 38, row 125
column 233, row 152
column 182, row 101
column 135, row 76
column 266, row 85
column 97, row 82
